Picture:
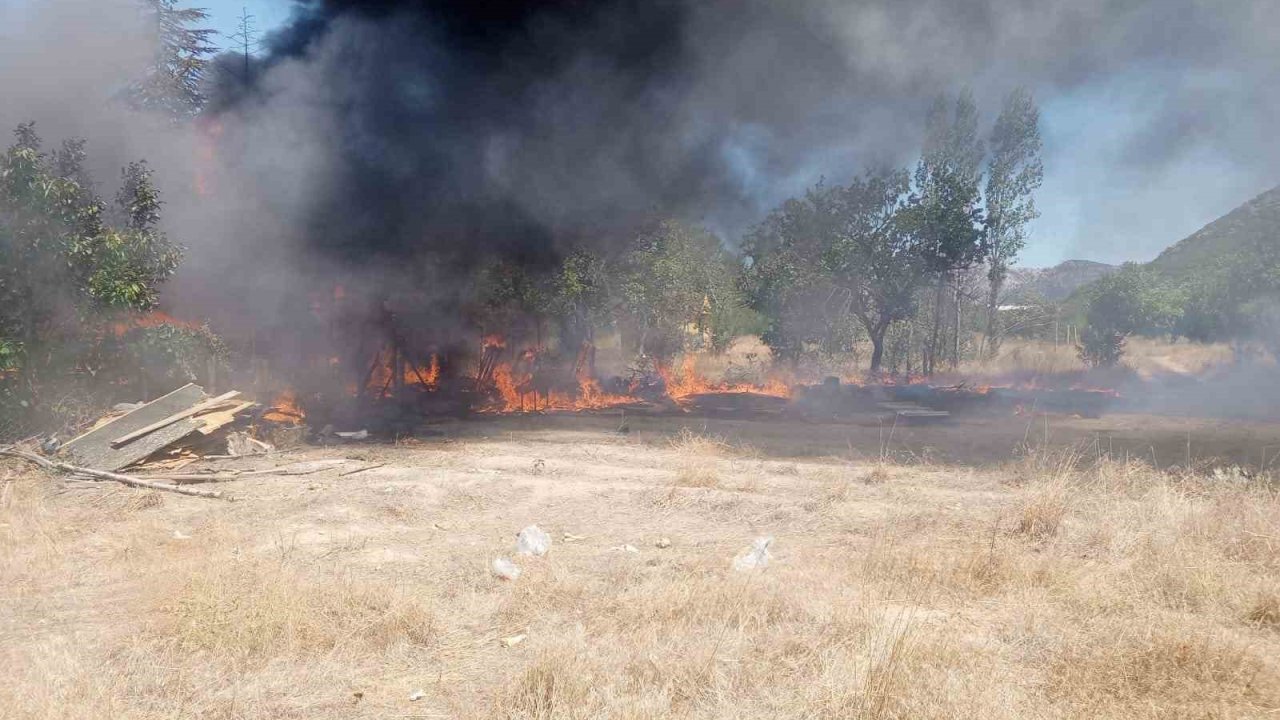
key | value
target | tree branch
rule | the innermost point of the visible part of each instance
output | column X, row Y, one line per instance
column 103, row 475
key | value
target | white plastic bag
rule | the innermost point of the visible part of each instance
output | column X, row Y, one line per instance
column 505, row 569
column 532, row 541
column 756, row 556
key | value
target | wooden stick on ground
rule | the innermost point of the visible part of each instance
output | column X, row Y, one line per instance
column 251, row 455
column 103, row 475
column 230, row 475
column 328, row 464
column 360, row 470
column 195, row 410
column 193, row 478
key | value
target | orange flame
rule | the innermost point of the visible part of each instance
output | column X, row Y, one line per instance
column 504, row 381
column 425, row 376
column 155, row 318
column 688, row 381
column 429, row 375
column 517, row 391
column 285, row 409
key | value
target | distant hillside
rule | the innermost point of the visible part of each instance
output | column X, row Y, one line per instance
column 1256, row 220
column 1058, row 282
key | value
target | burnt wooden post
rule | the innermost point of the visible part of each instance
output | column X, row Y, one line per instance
column 397, row 365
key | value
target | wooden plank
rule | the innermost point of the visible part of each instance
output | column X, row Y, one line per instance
column 93, row 449
column 215, row 421
column 181, row 415
column 174, row 399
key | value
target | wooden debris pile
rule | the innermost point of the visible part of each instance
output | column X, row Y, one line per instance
column 159, row 437
column 182, row 425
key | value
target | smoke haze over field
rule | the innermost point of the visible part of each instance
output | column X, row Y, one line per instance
column 376, row 131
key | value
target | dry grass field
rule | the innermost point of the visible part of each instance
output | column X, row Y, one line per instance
column 1054, row 583
column 1144, row 358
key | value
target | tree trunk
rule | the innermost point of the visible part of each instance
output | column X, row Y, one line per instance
column 877, row 346
column 955, row 353
column 931, row 352
column 993, row 319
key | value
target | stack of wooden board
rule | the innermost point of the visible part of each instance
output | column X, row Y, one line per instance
column 145, row 430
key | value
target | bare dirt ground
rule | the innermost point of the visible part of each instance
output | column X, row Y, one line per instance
column 916, row 573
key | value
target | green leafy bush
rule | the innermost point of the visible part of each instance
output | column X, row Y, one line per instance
column 70, row 264
column 1134, row 300
column 168, row 355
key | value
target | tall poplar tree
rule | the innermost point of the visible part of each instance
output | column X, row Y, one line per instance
column 1014, row 173
column 949, row 216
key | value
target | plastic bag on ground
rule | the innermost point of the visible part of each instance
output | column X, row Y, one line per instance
column 756, row 556
column 532, row 541
column 505, row 569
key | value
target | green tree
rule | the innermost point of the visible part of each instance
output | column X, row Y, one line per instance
column 834, row 253
column 513, row 301
column 65, row 269
column 1215, row 307
column 1014, row 173
column 580, row 300
column 168, row 355
column 785, row 280
column 670, row 278
column 1133, row 300
column 948, row 217
column 875, row 257
column 173, row 84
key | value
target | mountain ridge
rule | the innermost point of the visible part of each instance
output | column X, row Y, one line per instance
column 1059, row 282
column 1256, row 220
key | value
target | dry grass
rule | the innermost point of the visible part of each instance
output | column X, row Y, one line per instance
column 696, row 445
column 257, row 611
column 1042, row 508
column 698, row 458
column 1265, row 610
column 1025, row 357
column 1155, row 356
column 1164, row 671
column 1047, row 363
column 1060, row 585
